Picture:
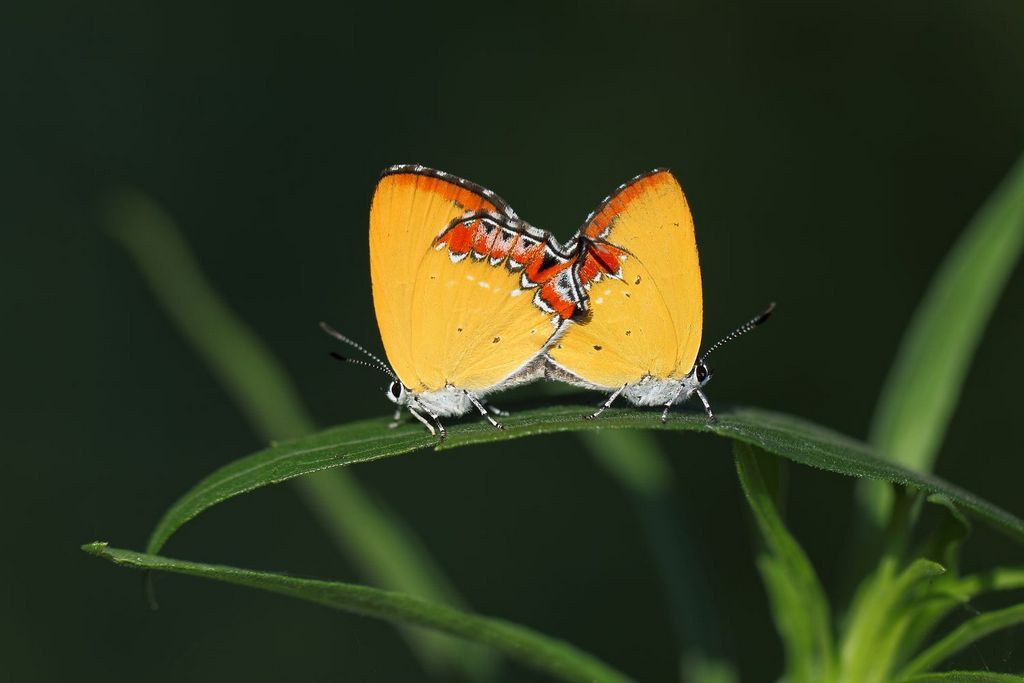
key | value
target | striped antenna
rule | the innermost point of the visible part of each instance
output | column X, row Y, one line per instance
column 377, row 362
column 356, row 361
column 739, row 331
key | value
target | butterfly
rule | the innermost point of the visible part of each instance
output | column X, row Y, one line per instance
column 635, row 259
column 467, row 295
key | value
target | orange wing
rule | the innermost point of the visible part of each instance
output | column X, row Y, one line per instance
column 448, row 319
column 505, row 240
column 636, row 257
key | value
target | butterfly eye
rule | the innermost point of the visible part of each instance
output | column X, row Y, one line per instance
column 396, row 390
column 702, row 373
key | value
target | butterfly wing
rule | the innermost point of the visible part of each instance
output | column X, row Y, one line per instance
column 465, row 293
column 637, row 259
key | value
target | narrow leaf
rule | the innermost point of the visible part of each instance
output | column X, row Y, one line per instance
column 518, row 643
column 363, row 441
column 998, row 579
column 385, row 552
column 924, row 383
column 798, row 601
column 965, row 634
column 880, row 615
column 965, row 677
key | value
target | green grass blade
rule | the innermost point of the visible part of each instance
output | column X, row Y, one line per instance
column 799, row 604
column 636, row 461
column 518, row 643
column 998, row 579
column 965, row 634
column 879, row 619
column 965, row 677
column 924, row 383
column 385, row 552
column 789, row 437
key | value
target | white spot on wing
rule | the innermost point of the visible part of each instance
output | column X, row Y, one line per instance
column 470, row 278
column 515, row 292
column 485, row 285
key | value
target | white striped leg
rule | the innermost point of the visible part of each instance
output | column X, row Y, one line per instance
column 607, row 404
column 426, row 423
column 396, row 420
column 668, row 406
column 707, row 406
column 440, row 430
column 483, row 411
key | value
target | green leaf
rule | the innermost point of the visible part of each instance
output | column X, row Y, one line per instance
column 966, row 677
column 799, row 604
column 518, row 643
column 998, row 579
column 924, row 383
column 965, row 634
column 880, row 616
column 367, row 440
column 382, row 548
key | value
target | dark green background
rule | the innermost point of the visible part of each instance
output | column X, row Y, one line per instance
column 831, row 154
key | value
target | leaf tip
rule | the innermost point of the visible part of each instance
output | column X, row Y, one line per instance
column 98, row 548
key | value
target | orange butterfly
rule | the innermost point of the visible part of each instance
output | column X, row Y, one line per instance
column 467, row 295
column 636, row 258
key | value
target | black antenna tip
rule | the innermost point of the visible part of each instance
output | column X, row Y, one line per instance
column 338, row 356
column 765, row 315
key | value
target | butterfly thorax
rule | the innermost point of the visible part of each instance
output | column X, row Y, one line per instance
column 446, row 402
column 651, row 391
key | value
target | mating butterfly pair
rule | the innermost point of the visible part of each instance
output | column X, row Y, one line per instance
column 470, row 299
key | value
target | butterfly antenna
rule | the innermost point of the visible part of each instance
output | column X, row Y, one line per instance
column 381, row 365
column 740, row 331
column 356, row 361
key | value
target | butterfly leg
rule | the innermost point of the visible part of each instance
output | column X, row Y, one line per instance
column 425, row 421
column 606, row 404
column 483, row 411
column 396, row 420
column 707, row 406
column 495, row 410
column 668, row 406
column 441, row 431
column 436, row 429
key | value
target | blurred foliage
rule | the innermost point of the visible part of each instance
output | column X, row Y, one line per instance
column 917, row 402
column 534, row 650
column 387, row 553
